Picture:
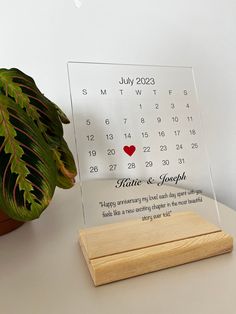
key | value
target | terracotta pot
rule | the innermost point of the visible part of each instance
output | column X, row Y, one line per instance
column 7, row 224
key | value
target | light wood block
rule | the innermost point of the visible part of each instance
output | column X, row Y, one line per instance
column 131, row 248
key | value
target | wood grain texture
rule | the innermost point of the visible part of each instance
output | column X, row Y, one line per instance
column 134, row 234
column 161, row 251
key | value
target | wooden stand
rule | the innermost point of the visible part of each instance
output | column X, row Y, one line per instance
column 126, row 249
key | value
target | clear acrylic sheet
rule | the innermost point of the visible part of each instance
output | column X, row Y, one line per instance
column 140, row 142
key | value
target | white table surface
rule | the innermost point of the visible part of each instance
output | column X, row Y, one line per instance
column 42, row 270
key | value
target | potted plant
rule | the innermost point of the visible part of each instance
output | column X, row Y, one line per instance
column 34, row 157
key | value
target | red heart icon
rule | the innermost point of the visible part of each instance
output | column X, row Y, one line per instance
column 129, row 150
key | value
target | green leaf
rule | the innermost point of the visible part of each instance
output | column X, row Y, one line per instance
column 34, row 156
column 23, row 152
column 40, row 109
column 65, row 166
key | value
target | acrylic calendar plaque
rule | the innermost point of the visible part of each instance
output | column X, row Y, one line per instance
column 140, row 142
column 144, row 174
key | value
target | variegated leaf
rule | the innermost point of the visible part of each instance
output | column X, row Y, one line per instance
column 34, row 156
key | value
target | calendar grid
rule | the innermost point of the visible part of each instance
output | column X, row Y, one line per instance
column 137, row 122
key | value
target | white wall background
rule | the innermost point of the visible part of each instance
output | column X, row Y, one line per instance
column 39, row 37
